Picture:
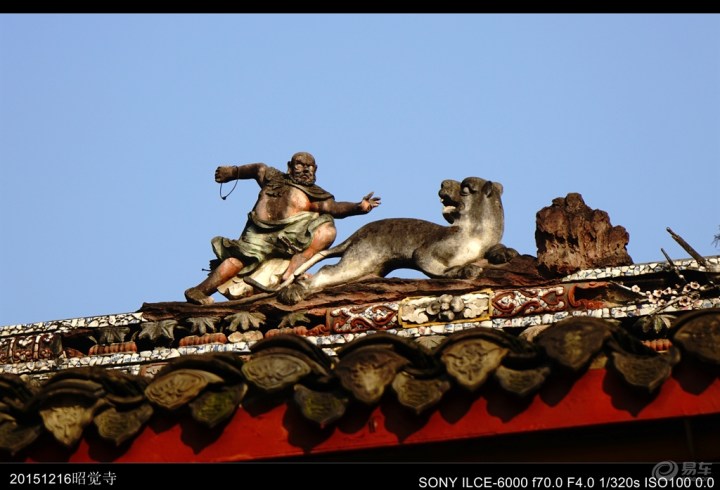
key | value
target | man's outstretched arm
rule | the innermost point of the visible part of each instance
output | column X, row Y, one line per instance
column 250, row 171
column 343, row 209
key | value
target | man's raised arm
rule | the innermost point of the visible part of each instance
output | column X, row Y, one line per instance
column 344, row 209
column 250, row 171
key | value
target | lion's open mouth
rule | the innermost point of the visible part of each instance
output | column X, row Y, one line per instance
column 449, row 202
column 449, row 208
column 450, row 198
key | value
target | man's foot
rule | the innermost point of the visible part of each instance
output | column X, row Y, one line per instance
column 194, row 295
column 296, row 261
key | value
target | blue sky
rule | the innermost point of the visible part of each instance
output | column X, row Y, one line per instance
column 111, row 127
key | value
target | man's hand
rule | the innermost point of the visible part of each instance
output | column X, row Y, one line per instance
column 345, row 209
column 368, row 203
column 225, row 174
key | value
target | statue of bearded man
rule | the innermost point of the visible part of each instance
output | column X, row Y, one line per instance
column 292, row 219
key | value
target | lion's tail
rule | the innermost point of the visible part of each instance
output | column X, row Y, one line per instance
column 336, row 251
column 325, row 254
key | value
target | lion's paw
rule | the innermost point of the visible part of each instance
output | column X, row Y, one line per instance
column 292, row 294
column 500, row 254
column 468, row 271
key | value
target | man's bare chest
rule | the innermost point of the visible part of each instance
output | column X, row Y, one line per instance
column 281, row 203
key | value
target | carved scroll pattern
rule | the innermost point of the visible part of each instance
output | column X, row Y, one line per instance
column 353, row 319
column 529, row 301
column 532, row 301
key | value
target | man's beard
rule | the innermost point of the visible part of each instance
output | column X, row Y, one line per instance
column 302, row 179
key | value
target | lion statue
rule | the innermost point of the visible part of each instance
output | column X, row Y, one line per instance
column 474, row 210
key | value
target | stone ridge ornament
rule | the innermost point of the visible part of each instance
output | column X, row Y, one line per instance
column 473, row 307
column 570, row 236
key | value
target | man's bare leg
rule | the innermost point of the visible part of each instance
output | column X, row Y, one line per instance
column 200, row 294
column 323, row 237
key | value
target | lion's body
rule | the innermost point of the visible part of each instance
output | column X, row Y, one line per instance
column 380, row 247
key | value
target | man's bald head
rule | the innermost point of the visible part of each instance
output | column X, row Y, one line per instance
column 301, row 168
column 304, row 158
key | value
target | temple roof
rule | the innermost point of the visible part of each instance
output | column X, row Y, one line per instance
column 415, row 341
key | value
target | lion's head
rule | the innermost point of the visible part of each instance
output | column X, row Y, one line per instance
column 473, row 198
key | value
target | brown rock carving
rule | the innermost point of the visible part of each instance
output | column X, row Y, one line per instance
column 570, row 236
